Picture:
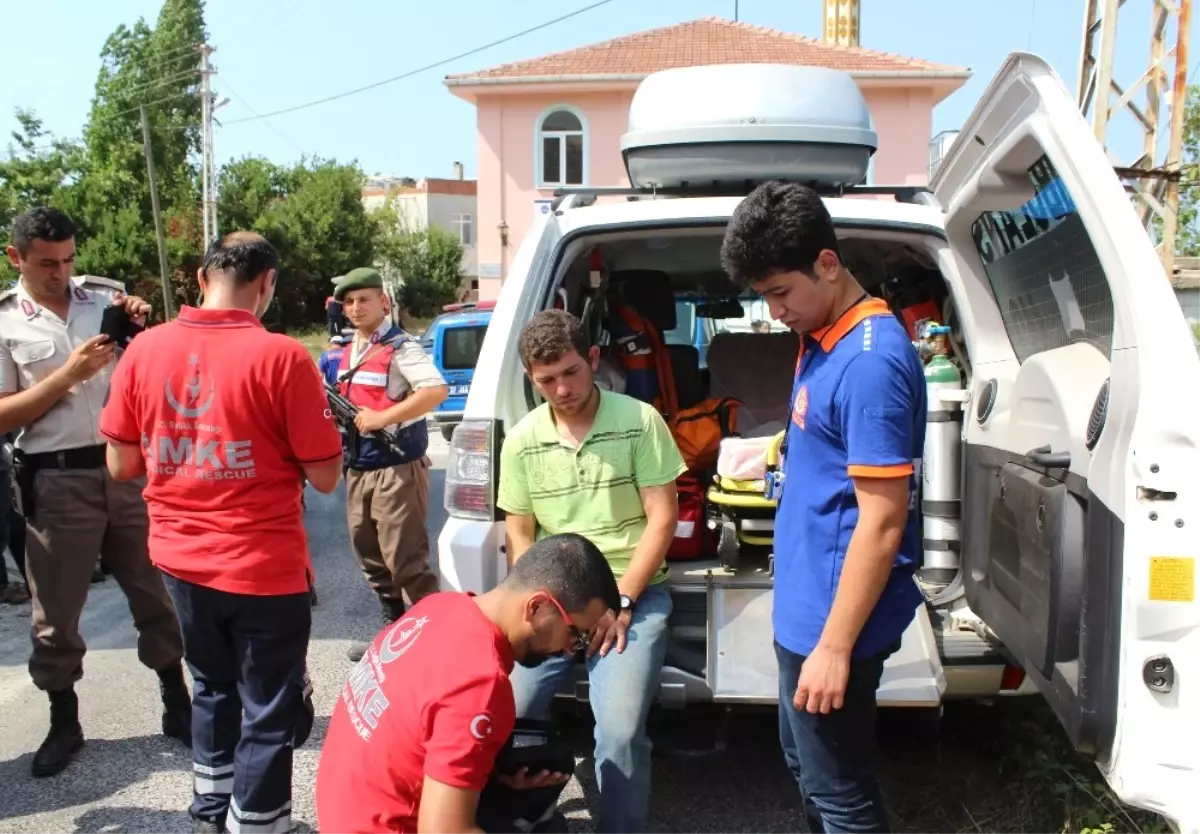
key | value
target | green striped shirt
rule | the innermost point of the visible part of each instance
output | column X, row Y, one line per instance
column 592, row 490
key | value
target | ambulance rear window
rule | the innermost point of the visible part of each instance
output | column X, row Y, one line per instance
column 1044, row 273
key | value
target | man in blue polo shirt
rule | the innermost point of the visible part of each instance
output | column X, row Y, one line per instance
column 847, row 534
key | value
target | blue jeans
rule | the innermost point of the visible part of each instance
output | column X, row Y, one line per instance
column 832, row 757
column 621, row 689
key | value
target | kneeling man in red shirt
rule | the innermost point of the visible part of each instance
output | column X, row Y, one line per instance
column 414, row 736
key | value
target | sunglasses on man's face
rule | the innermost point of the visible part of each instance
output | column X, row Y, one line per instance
column 582, row 638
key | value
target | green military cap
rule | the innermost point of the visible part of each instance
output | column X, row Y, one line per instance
column 362, row 278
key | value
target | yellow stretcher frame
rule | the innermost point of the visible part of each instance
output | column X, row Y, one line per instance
column 733, row 496
column 728, row 492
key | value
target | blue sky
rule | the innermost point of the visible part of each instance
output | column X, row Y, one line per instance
column 273, row 54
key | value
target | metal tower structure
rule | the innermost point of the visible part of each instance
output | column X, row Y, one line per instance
column 840, row 18
column 1156, row 171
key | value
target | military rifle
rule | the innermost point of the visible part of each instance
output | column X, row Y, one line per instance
column 345, row 411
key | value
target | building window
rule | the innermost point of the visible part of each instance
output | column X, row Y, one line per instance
column 462, row 225
column 560, row 148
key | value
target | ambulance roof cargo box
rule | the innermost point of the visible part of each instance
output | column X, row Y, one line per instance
column 738, row 124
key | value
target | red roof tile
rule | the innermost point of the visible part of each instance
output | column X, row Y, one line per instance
column 709, row 40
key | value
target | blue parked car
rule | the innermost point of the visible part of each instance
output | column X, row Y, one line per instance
column 453, row 341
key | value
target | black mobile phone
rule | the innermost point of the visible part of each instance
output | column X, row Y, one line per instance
column 118, row 326
column 536, row 746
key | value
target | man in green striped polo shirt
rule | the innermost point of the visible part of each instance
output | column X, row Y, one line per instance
column 602, row 465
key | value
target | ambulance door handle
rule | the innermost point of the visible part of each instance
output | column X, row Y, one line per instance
column 1042, row 456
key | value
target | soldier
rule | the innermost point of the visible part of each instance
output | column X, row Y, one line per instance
column 389, row 377
column 54, row 374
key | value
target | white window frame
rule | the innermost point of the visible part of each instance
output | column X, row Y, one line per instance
column 540, row 135
column 464, row 221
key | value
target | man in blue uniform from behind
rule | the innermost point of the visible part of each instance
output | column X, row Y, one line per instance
column 847, row 535
column 331, row 358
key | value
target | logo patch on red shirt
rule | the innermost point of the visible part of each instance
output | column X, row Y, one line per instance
column 481, row 726
column 800, row 409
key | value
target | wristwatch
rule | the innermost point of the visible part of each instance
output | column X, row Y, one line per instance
column 626, row 603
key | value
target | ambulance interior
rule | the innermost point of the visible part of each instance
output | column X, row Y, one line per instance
column 673, row 277
column 720, row 340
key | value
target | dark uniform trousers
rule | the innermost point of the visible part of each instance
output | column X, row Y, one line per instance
column 247, row 658
column 79, row 513
column 386, row 511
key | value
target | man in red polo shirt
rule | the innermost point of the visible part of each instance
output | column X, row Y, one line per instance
column 225, row 419
column 414, row 736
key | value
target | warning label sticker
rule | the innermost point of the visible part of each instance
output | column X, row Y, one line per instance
column 1172, row 579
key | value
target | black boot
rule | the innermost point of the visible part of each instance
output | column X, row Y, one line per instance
column 391, row 610
column 65, row 736
column 177, row 704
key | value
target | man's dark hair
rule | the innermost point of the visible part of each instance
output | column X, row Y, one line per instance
column 242, row 256
column 551, row 335
column 779, row 227
column 40, row 223
column 571, row 568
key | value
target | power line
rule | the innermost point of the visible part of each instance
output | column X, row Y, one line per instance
column 270, row 126
column 144, row 85
column 425, row 68
column 156, row 101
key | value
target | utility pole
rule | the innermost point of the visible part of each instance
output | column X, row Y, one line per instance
column 1155, row 173
column 207, row 168
column 168, row 305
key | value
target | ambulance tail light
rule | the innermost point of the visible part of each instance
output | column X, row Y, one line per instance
column 470, row 471
column 1011, row 678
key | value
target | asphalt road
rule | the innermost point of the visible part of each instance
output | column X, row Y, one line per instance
column 129, row 778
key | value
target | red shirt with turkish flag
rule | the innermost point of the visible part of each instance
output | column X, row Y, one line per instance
column 226, row 414
column 430, row 697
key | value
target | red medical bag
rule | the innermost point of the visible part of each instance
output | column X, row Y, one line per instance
column 692, row 536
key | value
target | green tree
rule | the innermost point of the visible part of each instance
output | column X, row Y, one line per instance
column 313, row 214
column 102, row 181
column 158, row 67
column 1187, row 240
column 426, row 263
column 37, row 170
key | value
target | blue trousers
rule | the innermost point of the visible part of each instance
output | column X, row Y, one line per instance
column 832, row 757
column 247, row 659
column 621, row 689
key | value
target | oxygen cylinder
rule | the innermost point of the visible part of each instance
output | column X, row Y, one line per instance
column 941, row 497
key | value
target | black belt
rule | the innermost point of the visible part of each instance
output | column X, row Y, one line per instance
column 82, row 457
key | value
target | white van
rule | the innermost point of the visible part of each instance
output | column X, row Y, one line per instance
column 1078, row 439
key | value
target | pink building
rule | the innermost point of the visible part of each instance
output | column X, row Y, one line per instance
column 557, row 120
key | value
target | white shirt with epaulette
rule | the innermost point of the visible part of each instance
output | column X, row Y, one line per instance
column 34, row 343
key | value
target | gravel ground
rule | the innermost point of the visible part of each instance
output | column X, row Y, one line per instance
column 129, row 778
